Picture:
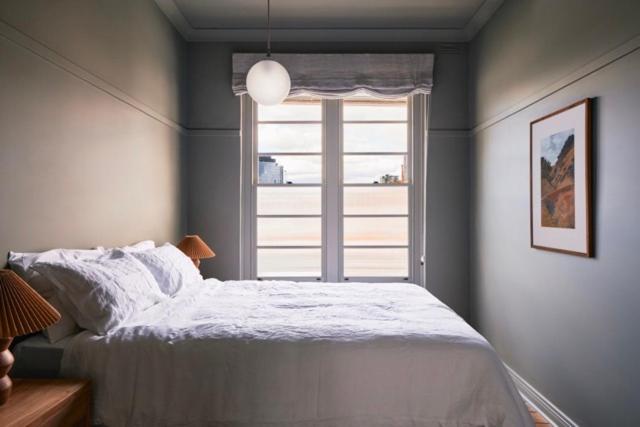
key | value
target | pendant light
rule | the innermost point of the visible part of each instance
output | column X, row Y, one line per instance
column 268, row 82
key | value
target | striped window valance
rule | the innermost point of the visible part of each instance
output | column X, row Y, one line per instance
column 339, row 75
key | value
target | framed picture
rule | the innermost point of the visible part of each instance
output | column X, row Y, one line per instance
column 560, row 180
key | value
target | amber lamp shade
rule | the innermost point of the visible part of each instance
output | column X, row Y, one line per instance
column 22, row 311
column 195, row 248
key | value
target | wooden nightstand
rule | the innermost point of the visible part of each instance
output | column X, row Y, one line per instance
column 51, row 402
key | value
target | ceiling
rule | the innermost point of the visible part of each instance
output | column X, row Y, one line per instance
column 330, row 20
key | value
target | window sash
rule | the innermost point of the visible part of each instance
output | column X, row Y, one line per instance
column 332, row 192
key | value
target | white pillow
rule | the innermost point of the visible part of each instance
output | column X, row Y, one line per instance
column 65, row 326
column 104, row 292
column 21, row 263
column 140, row 246
column 171, row 268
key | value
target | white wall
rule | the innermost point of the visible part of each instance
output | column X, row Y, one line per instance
column 90, row 97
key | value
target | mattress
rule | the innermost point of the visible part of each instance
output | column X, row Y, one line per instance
column 275, row 353
column 36, row 357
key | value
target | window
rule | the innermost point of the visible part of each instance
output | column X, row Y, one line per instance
column 330, row 189
column 288, row 166
column 376, row 176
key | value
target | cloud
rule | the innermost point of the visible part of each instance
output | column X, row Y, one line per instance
column 551, row 146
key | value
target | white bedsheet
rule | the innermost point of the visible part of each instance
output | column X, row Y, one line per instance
column 245, row 353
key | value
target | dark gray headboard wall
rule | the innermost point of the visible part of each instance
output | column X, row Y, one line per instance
column 90, row 147
column 213, row 159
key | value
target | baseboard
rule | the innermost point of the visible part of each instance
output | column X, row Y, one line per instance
column 232, row 133
column 550, row 411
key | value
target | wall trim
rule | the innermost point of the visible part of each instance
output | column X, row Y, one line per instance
column 21, row 39
column 236, row 133
column 599, row 63
column 450, row 133
column 463, row 34
column 232, row 133
column 541, row 403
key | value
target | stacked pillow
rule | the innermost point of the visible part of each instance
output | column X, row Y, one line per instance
column 100, row 289
column 170, row 267
column 22, row 264
column 104, row 292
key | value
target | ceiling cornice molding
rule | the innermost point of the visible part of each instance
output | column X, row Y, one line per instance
column 481, row 17
column 464, row 34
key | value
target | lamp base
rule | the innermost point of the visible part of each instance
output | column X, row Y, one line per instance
column 6, row 362
column 196, row 262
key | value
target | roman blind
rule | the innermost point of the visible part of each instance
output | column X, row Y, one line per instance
column 342, row 75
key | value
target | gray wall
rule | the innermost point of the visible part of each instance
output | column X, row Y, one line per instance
column 90, row 97
column 567, row 324
column 214, row 159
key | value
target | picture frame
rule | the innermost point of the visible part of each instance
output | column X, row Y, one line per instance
column 560, row 179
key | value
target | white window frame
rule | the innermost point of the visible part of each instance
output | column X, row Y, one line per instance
column 332, row 206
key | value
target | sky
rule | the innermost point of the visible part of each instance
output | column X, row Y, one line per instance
column 551, row 146
column 358, row 137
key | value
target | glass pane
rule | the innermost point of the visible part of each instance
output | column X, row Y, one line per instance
column 369, row 108
column 366, row 137
column 289, row 201
column 376, row 201
column 289, row 263
column 293, row 109
column 383, row 169
column 289, row 231
column 376, row 231
column 391, row 262
column 289, row 169
column 279, row 138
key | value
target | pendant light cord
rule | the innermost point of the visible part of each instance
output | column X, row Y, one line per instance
column 268, row 28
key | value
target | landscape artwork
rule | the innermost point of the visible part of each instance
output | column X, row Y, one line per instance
column 560, row 180
column 557, row 180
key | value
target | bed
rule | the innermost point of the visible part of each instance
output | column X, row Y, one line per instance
column 163, row 347
column 36, row 357
column 274, row 353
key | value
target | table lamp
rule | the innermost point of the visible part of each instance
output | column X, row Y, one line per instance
column 22, row 311
column 195, row 248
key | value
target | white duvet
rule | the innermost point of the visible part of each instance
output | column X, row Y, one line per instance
column 245, row 353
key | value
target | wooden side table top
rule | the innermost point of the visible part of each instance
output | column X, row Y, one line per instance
column 47, row 402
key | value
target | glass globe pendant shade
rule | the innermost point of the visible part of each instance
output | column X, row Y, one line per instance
column 268, row 82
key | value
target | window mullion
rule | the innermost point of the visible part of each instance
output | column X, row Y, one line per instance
column 247, row 253
column 332, row 190
column 418, row 126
